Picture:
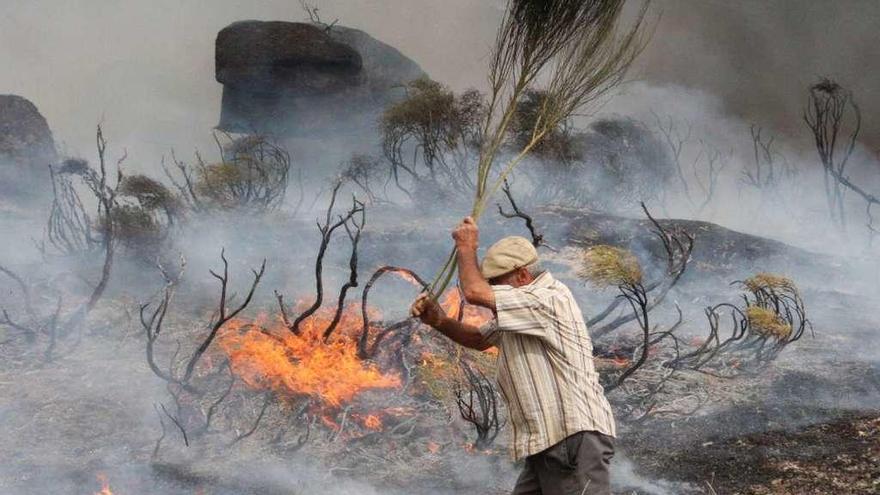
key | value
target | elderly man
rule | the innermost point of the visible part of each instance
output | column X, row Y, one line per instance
column 561, row 422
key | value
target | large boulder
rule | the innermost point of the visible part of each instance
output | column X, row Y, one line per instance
column 284, row 56
column 26, row 146
column 297, row 80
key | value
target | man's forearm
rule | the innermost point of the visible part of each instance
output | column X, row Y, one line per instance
column 475, row 288
column 462, row 333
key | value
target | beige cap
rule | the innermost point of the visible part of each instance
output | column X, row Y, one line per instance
column 507, row 255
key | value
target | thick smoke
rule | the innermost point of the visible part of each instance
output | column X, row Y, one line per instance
column 146, row 71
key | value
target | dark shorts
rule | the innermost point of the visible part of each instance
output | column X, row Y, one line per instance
column 577, row 465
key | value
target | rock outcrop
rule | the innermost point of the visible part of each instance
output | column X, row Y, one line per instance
column 297, row 79
column 26, row 146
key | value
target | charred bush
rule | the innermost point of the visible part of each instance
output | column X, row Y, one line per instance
column 428, row 140
column 559, row 147
column 478, row 405
column 251, row 176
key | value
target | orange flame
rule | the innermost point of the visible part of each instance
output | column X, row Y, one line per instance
column 373, row 422
column 291, row 365
column 620, row 361
column 105, row 485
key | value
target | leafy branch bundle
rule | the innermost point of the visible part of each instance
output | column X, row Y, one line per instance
column 576, row 49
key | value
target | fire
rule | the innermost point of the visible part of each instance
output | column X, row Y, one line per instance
column 373, row 422
column 473, row 315
column 105, row 485
column 620, row 361
column 266, row 355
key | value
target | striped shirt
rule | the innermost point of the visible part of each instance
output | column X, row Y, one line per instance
column 545, row 366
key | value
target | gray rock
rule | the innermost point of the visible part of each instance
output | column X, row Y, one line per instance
column 298, row 80
column 26, row 146
column 284, row 56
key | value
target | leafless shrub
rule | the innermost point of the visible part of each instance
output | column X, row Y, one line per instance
column 705, row 169
column 71, row 231
column 826, row 116
column 194, row 409
column 352, row 222
column 366, row 173
column 678, row 245
column 315, row 18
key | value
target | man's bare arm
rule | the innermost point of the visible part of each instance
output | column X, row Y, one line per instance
column 474, row 286
column 463, row 334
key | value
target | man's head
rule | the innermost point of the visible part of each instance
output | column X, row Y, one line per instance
column 511, row 261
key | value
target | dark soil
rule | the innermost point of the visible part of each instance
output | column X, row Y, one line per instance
column 839, row 457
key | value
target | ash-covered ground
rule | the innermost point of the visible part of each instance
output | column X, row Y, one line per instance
column 806, row 423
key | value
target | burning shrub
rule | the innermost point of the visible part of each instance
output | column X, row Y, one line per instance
column 435, row 374
column 296, row 365
column 610, row 266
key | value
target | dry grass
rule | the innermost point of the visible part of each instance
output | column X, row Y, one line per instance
column 769, row 281
column 610, row 266
column 766, row 322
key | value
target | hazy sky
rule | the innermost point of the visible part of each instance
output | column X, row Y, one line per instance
column 146, row 68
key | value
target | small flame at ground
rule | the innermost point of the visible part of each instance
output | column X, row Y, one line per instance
column 105, row 485
column 373, row 422
column 266, row 355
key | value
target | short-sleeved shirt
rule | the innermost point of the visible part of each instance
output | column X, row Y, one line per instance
column 545, row 366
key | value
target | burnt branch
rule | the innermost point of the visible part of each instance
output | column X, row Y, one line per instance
column 315, row 19
column 354, row 236
column 266, row 401
column 327, row 228
column 537, row 238
column 71, row 231
column 363, row 351
column 162, row 436
column 224, row 315
column 177, row 423
column 153, row 320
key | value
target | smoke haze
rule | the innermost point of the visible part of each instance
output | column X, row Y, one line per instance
column 146, row 69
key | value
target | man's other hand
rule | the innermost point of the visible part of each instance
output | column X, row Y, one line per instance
column 466, row 234
column 426, row 309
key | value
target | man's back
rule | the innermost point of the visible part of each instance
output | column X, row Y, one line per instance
column 545, row 366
